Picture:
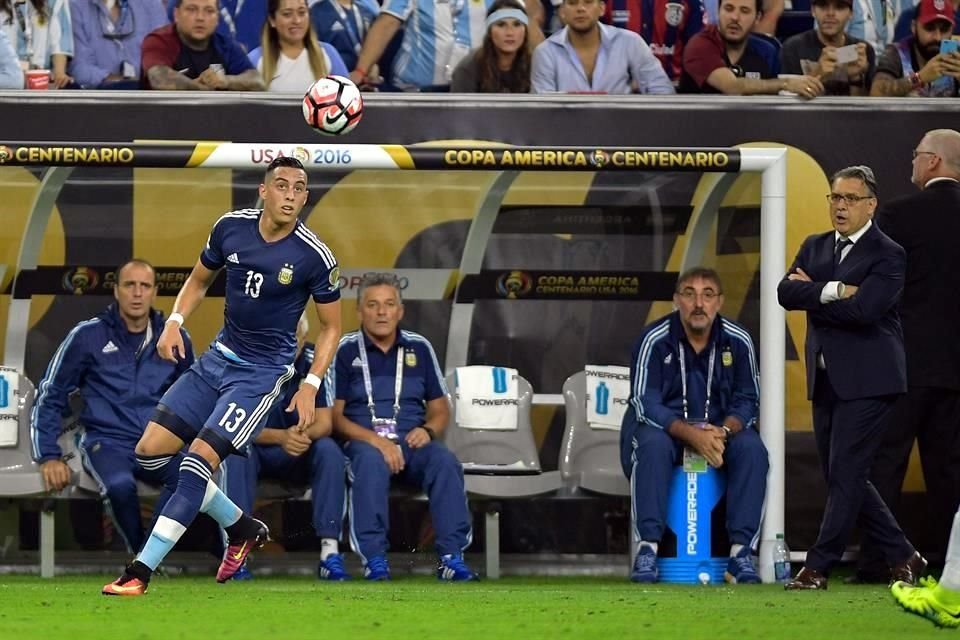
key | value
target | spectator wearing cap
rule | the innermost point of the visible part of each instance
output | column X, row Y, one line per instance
column 873, row 21
column 914, row 66
column 727, row 58
column 909, row 15
column 814, row 52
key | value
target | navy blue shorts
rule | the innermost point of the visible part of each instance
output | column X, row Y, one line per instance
column 227, row 397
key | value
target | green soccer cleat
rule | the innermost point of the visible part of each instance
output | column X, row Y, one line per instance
column 928, row 599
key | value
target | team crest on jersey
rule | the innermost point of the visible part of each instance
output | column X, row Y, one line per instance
column 726, row 358
column 673, row 13
column 286, row 274
column 410, row 358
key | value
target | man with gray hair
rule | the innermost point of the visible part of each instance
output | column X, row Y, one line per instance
column 391, row 406
column 849, row 281
column 928, row 413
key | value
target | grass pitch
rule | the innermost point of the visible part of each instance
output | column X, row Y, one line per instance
column 275, row 608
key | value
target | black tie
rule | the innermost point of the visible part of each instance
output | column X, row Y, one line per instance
column 842, row 244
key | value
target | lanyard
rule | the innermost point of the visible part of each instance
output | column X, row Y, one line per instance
column 683, row 381
column 368, row 385
column 354, row 28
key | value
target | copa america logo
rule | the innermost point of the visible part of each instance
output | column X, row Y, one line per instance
column 514, row 284
column 80, row 280
column 6, row 154
column 599, row 158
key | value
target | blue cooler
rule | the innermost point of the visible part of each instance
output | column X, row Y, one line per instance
column 693, row 496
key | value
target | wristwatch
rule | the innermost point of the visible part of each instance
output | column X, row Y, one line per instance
column 430, row 432
column 727, row 432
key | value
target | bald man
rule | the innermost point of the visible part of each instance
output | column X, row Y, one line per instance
column 926, row 225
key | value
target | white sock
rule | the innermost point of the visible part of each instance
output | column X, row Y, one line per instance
column 652, row 545
column 951, row 572
column 735, row 549
column 328, row 547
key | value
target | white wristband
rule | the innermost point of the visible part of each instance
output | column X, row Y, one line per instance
column 175, row 317
column 313, row 380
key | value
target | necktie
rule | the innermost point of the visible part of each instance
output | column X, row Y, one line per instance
column 842, row 244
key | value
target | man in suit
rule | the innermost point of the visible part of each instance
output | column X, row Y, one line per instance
column 849, row 281
column 928, row 413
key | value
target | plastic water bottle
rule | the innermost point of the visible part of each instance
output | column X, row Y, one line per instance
column 781, row 560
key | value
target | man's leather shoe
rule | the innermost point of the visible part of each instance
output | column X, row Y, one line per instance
column 910, row 571
column 807, row 579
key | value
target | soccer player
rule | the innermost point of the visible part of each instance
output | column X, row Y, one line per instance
column 273, row 263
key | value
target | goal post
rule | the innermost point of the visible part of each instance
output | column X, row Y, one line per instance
column 769, row 162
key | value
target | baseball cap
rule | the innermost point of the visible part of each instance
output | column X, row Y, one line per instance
column 931, row 10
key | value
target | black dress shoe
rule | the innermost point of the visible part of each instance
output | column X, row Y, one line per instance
column 910, row 571
column 808, row 580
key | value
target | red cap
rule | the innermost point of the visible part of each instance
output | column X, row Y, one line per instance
column 931, row 10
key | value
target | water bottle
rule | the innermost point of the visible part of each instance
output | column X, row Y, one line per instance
column 781, row 560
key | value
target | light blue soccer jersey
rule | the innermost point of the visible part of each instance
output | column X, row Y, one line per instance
column 437, row 35
column 268, row 285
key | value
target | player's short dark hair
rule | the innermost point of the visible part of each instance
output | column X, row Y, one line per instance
column 139, row 262
column 284, row 161
column 378, row 280
column 861, row 172
column 703, row 273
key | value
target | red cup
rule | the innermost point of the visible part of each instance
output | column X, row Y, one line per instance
column 38, row 79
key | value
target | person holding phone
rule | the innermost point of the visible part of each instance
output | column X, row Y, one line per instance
column 843, row 63
column 922, row 65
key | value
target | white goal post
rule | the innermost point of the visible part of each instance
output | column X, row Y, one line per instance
column 770, row 162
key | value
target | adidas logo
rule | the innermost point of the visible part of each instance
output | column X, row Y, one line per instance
column 233, row 258
column 356, row 362
column 110, row 347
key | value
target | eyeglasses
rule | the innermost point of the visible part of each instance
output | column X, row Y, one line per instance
column 691, row 295
column 122, row 28
column 849, row 198
column 917, row 152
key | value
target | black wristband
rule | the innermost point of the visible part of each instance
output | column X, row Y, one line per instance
column 430, row 432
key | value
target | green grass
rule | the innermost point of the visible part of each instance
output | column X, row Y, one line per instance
column 71, row 608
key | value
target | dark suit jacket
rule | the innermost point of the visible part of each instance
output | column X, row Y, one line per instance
column 860, row 337
column 927, row 225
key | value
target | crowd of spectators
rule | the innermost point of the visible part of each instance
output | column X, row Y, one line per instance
column 736, row 47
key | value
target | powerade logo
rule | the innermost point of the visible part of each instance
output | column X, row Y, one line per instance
column 692, row 537
column 499, row 380
column 603, row 399
column 4, row 392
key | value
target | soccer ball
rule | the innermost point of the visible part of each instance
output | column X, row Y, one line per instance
column 333, row 106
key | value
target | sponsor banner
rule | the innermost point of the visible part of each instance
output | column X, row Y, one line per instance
column 602, row 220
column 414, row 284
column 9, row 406
column 80, row 280
column 578, row 158
column 518, row 284
column 226, row 155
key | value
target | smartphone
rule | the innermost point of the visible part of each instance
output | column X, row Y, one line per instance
column 848, row 54
column 949, row 46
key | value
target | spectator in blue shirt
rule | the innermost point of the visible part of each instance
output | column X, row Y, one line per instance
column 344, row 24
column 11, row 75
column 391, row 405
column 904, row 28
column 107, row 36
column 589, row 57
